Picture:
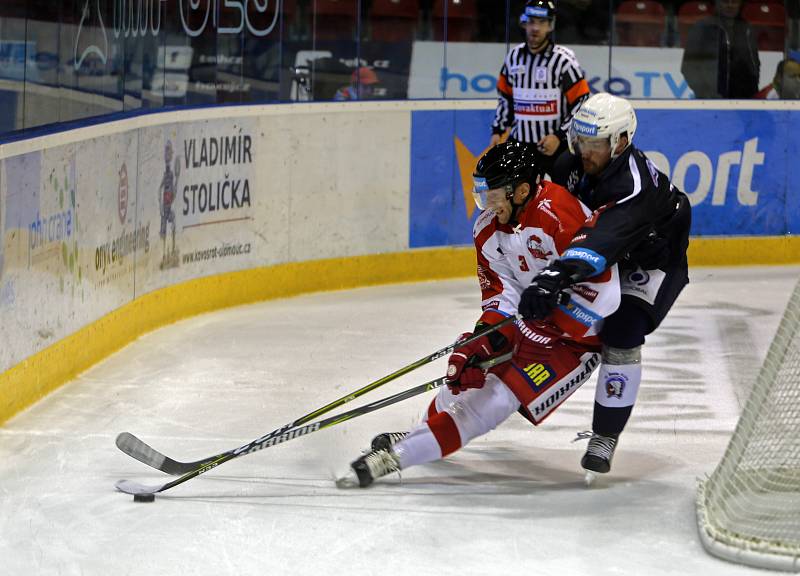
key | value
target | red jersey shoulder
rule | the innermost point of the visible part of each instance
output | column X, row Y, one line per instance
column 561, row 198
column 558, row 201
column 550, row 205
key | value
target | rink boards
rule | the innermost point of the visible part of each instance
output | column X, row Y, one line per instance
column 111, row 230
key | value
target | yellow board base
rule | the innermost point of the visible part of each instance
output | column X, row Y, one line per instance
column 40, row 374
column 744, row 250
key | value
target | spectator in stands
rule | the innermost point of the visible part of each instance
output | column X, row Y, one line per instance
column 786, row 83
column 721, row 56
column 361, row 87
column 582, row 22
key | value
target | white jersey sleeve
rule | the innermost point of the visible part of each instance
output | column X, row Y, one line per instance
column 500, row 289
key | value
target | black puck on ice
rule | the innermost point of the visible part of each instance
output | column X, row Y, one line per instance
column 144, row 497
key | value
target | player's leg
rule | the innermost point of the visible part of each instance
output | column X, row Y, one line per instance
column 162, row 232
column 440, row 402
column 647, row 298
column 460, row 419
column 165, row 209
column 172, row 222
column 539, row 376
column 618, row 383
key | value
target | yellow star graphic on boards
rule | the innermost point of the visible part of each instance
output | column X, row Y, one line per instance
column 466, row 166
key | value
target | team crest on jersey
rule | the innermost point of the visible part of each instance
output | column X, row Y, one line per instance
column 615, row 384
column 537, row 249
column 540, row 74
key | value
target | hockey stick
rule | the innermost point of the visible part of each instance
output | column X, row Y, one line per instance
column 138, row 449
column 130, row 487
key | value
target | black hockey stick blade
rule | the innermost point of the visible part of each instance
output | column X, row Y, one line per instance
column 141, row 451
column 131, row 487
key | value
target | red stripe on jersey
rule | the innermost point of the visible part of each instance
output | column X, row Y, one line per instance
column 490, row 282
column 568, row 324
column 592, row 222
column 446, row 432
column 432, row 411
column 574, row 330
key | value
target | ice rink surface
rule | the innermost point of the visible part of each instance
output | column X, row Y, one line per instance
column 513, row 502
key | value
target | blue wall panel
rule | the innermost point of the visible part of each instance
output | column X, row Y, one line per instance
column 735, row 165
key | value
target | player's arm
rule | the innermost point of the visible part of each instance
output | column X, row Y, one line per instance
column 500, row 291
column 607, row 237
column 600, row 244
column 494, row 277
column 593, row 294
column 504, row 114
column 573, row 266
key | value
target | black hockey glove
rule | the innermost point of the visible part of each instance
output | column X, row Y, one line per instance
column 650, row 253
column 542, row 296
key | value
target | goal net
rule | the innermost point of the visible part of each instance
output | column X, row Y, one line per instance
column 748, row 510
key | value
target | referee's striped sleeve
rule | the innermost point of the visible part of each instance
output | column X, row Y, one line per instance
column 575, row 89
column 504, row 114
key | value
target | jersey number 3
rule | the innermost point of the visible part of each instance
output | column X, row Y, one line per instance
column 523, row 264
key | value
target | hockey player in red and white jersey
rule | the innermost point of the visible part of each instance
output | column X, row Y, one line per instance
column 527, row 222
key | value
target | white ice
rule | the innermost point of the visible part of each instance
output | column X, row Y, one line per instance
column 513, row 502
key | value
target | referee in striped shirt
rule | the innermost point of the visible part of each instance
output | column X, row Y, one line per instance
column 541, row 85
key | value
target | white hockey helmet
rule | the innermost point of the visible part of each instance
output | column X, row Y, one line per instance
column 603, row 116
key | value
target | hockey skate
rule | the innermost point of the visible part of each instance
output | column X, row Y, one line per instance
column 386, row 440
column 368, row 467
column 599, row 452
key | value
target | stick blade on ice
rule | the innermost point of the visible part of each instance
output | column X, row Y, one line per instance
column 131, row 487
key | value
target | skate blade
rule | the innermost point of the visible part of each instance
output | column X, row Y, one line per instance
column 348, row 481
column 590, row 478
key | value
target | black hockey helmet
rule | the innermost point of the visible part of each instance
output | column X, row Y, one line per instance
column 506, row 165
column 538, row 9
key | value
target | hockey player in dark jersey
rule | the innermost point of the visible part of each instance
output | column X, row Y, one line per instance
column 641, row 222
